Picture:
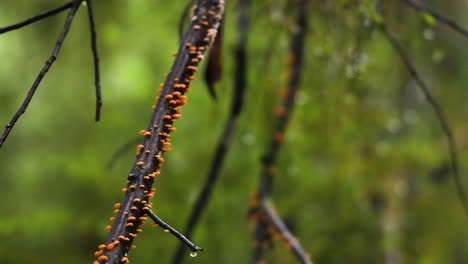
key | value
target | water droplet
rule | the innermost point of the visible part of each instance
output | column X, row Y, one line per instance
column 193, row 254
column 429, row 34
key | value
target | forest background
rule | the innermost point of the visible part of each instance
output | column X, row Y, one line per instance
column 363, row 175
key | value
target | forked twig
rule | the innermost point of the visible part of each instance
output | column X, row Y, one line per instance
column 437, row 110
column 131, row 213
column 74, row 6
column 262, row 208
column 42, row 73
column 224, row 142
column 439, row 17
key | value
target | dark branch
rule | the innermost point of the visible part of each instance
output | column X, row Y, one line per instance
column 42, row 73
column 158, row 221
column 265, row 215
column 437, row 109
column 135, row 205
column 34, row 19
column 224, row 142
column 439, row 17
column 97, row 81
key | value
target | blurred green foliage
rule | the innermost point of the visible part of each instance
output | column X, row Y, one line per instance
column 362, row 175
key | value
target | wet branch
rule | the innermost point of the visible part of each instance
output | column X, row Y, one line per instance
column 262, row 210
column 131, row 213
column 439, row 17
column 224, row 142
column 437, row 110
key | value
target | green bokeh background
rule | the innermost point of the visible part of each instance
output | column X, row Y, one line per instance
column 362, row 174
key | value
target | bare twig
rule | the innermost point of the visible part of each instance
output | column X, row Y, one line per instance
column 121, row 151
column 42, row 73
column 437, row 110
column 224, row 142
column 183, row 18
column 97, row 81
column 135, row 205
column 439, row 17
column 158, row 221
column 34, row 19
column 265, row 213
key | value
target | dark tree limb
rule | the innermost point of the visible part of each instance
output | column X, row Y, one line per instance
column 45, row 69
column 240, row 58
column 97, row 79
column 262, row 209
column 439, row 17
column 130, row 214
column 39, row 17
column 412, row 70
column 159, row 222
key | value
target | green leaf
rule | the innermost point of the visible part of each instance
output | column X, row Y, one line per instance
column 430, row 20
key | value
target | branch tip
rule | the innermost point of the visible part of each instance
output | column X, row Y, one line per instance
column 173, row 231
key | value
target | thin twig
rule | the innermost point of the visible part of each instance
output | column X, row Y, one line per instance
column 121, row 151
column 42, row 73
column 97, row 81
column 265, row 214
column 173, row 231
column 34, row 19
column 135, row 205
column 224, row 142
column 439, row 17
column 183, row 18
column 437, row 110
